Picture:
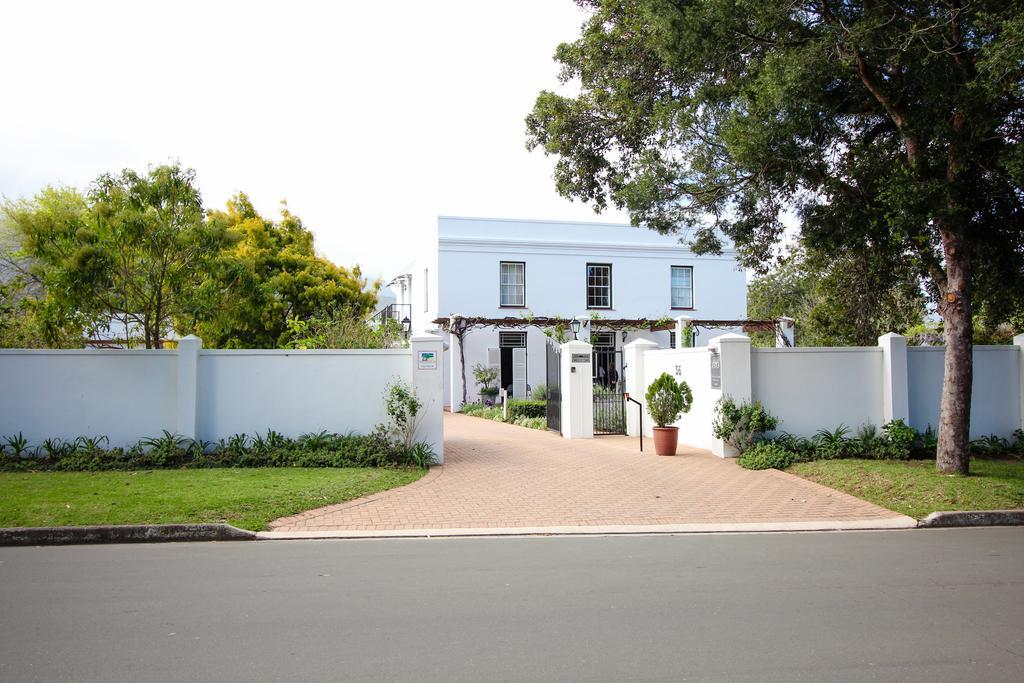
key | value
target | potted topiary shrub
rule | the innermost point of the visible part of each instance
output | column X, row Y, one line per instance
column 667, row 400
column 484, row 375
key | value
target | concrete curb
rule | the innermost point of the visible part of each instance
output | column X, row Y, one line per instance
column 900, row 522
column 973, row 518
column 128, row 533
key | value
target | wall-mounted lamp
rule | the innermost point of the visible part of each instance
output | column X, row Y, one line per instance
column 575, row 325
column 624, row 333
column 406, row 326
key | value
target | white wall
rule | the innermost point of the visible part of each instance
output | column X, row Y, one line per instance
column 995, row 395
column 819, row 388
column 693, row 367
column 130, row 395
column 295, row 392
column 124, row 395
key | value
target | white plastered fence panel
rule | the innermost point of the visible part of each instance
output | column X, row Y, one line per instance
column 213, row 394
column 821, row 388
column 123, row 395
column 692, row 366
column 995, row 391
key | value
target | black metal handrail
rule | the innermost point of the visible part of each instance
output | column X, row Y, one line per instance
column 396, row 312
column 640, row 406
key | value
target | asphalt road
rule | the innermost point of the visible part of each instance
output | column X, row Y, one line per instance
column 941, row 605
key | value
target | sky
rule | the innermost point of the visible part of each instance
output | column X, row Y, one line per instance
column 369, row 118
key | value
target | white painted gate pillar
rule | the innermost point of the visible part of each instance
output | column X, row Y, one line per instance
column 577, row 390
column 188, row 385
column 734, row 357
column 682, row 341
column 636, row 384
column 1018, row 341
column 454, row 373
column 895, row 381
column 428, row 383
column 787, row 329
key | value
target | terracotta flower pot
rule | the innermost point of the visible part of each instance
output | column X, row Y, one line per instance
column 665, row 440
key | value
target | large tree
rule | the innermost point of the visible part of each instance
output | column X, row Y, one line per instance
column 124, row 259
column 889, row 126
column 269, row 273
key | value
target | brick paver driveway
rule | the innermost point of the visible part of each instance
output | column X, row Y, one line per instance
column 502, row 476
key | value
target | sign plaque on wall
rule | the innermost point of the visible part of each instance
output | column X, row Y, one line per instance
column 427, row 360
column 581, row 358
column 716, row 370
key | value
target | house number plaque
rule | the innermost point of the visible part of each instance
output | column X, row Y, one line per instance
column 716, row 370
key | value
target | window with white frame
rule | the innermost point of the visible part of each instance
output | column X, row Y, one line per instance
column 599, row 285
column 513, row 283
column 682, row 286
column 605, row 340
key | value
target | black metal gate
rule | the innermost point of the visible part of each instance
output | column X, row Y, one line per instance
column 609, row 410
column 554, row 381
column 609, row 393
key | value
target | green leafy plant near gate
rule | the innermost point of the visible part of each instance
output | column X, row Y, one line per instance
column 667, row 399
column 517, row 409
column 765, row 455
column 484, row 376
column 403, row 407
column 741, row 424
column 495, row 413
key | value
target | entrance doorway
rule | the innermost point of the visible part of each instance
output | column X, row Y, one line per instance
column 513, row 363
column 609, row 399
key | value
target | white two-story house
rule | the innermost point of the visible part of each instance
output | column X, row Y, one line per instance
column 501, row 268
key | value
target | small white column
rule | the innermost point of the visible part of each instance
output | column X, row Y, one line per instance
column 788, row 329
column 636, row 383
column 577, row 390
column 188, row 385
column 1018, row 341
column 682, row 322
column 895, row 382
column 454, row 373
column 428, row 383
column 734, row 356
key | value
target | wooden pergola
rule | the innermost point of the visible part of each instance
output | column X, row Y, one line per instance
column 631, row 324
column 458, row 326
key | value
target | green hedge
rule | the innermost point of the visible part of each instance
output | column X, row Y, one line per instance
column 525, row 408
column 171, row 451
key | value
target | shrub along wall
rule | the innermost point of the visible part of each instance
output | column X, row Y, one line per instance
column 213, row 394
column 86, row 454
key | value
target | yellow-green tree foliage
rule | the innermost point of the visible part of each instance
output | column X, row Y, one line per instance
column 269, row 274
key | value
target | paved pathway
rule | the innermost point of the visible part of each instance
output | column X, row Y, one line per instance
column 504, row 476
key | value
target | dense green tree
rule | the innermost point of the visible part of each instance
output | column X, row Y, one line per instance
column 128, row 255
column 28, row 318
column 890, row 127
column 268, row 275
column 845, row 302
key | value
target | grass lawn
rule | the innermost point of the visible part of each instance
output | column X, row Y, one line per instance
column 916, row 489
column 246, row 498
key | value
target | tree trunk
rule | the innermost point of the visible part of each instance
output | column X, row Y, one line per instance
column 953, row 456
column 462, row 363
